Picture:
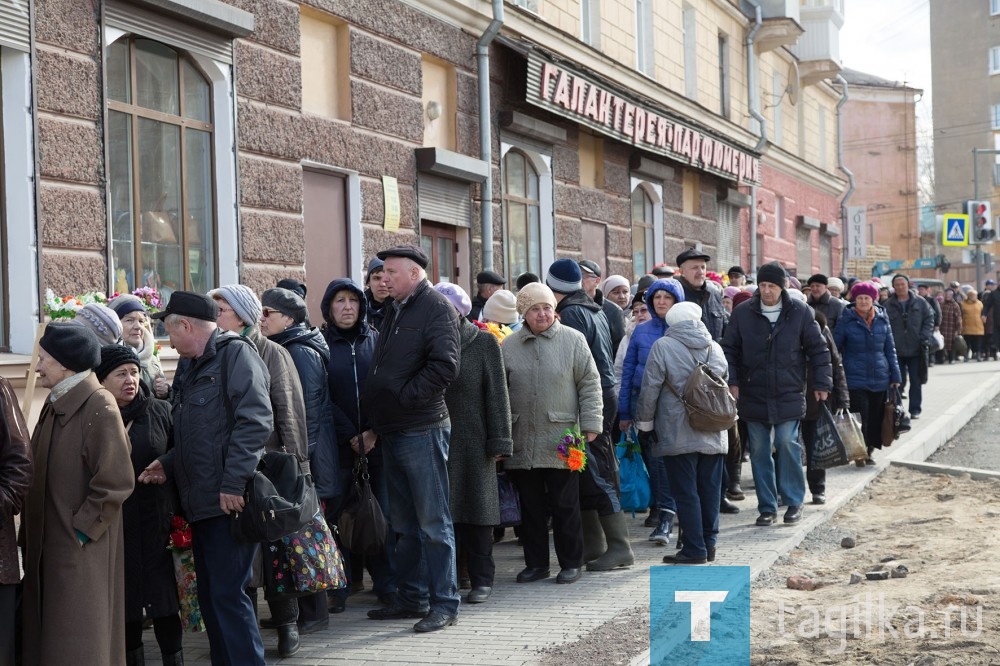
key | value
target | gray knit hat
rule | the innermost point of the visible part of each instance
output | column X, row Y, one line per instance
column 242, row 300
column 102, row 320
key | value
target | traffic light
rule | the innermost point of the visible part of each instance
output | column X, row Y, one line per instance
column 981, row 220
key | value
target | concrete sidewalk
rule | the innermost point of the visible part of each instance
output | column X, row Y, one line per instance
column 521, row 620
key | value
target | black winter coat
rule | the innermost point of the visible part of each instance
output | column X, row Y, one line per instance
column 311, row 355
column 830, row 307
column 769, row 365
column 713, row 312
column 912, row 327
column 376, row 310
column 616, row 321
column 416, row 358
column 150, row 586
column 581, row 313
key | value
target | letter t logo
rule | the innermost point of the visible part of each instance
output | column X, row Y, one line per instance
column 701, row 610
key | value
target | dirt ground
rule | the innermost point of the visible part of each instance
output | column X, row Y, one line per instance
column 942, row 529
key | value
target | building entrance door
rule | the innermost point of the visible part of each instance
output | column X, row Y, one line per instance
column 324, row 213
column 438, row 241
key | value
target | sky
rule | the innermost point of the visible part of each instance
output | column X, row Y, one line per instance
column 890, row 39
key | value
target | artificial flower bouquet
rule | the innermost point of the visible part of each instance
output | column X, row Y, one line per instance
column 187, row 582
column 572, row 450
column 65, row 307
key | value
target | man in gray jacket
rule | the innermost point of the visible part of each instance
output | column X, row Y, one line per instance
column 222, row 418
column 912, row 323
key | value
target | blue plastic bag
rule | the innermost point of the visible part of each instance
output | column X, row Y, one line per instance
column 634, row 477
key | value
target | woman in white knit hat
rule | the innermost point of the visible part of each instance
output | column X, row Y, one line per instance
column 501, row 310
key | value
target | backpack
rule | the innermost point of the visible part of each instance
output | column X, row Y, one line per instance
column 709, row 405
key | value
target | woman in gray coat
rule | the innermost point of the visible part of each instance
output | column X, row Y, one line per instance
column 554, row 386
column 480, row 435
column 695, row 458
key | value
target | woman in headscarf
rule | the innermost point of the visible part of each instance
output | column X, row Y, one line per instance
column 137, row 333
column 150, row 586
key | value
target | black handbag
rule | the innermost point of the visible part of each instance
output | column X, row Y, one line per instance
column 280, row 499
column 362, row 526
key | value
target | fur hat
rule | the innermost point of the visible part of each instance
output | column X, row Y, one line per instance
column 533, row 294
column 102, row 320
column 242, row 300
column 501, row 307
column 564, row 276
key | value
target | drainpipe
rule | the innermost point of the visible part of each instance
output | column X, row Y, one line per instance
column 485, row 129
column 754, row 107
column 840, row 163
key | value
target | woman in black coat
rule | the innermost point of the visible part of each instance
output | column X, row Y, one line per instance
column 150, row 586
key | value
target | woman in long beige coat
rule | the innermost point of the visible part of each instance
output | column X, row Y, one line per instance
column 554, row 386
column 74, row 599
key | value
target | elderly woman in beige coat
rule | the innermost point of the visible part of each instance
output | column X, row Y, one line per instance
column 71, row 531
column 554, row 386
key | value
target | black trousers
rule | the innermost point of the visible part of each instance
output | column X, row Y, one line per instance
column 9, row 626
column 871, row 406
column 816, row 478
column 545, row 491
column 599, row 485
column 475, row 542
column 167, row 630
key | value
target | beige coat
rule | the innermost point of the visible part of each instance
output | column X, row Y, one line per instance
column 553, row 385
column 74, row 598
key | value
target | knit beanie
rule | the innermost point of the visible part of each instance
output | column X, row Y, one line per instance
column 286, row 302
column 864, row 289
column 242, row 300
column 293, row 285
column 564, row 276
column 613, row 282
column 525, row 278
column 835, row 283
column 533, row 294
column 773, row 273
column 125, row 304
column 818, row 278
column 375, row 264
column 113, row 356
column 742, row 297
column 456, row 295
column 501, row 307
column 729, row 292
column 74, row 346
column 793, row 282
column 686, row 311
column 102, row 320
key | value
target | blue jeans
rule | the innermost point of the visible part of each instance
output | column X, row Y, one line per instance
column 416, row 473
column 791, row 479
column 910, row 365
column 660, row 484
column 223, row 567
column 695, row 479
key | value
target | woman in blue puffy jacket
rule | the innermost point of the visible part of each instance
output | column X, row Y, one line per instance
column 660, row 297
column 864, row 338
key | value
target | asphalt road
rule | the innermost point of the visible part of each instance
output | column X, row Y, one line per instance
column 977, row 445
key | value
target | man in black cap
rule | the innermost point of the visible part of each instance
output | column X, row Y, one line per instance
column 377, row 292
column 822, row 301
column 616, row 318
column 487, row 283
column 222, row 419
column 416, row 358
column 662, row 271
column 737, row 276
column 693, row 266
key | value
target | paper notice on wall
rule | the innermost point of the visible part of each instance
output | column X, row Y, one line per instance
column 390, row 188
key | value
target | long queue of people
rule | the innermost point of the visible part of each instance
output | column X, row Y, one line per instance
column 438, row 391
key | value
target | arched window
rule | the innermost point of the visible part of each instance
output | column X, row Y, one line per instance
column 642, row 232
column 160, row 169
column 522, row 213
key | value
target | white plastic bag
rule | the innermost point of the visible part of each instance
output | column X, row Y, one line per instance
column 938, row 341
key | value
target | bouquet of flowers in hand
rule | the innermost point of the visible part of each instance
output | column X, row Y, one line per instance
column 187, row 581
column 572, row 450
column 180, row 534
column 66, row 307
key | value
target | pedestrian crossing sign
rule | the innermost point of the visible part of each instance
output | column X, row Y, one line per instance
column 955, row 230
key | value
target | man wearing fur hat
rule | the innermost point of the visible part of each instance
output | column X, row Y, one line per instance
column 822, row 301
column 768, row 344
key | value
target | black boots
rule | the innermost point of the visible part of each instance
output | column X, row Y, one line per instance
column 175, row 659
column 288, row 640
column 733, row 490
column 136, row 657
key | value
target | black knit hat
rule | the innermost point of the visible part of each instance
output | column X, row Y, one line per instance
column 113, row 356
column 525, row 279
column 773, row 273
column 818, row 278
column 74, row 346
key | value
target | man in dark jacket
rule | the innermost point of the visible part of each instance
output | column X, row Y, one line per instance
column 598, row 491
column 912, row 323
column 487, row 284
column 822, row 301
column 222, row 419
column 616, row 318
column 416, row 358
column 693, row 266
column 769, row 343
column 376, row 292
column 924, row 292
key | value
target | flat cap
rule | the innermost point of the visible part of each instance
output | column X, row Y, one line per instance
column 490, row 277
column 691, row 253
column 407, row 252
column 590, row 267
column 736, row 270
column 189, row 304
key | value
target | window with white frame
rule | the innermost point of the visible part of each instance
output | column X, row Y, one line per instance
column 522, row 213
column 644, row 36
column 590, row 22
column 689, row 25
column 995, row 60
column 161, row 182
column 723, row 75
column 530, row 5
column 994, row 7
column 642, row 232
column 995, row 114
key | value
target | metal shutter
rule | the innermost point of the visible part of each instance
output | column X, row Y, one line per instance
column 803, row 247
column 138, row 21
column 826, row 255
column 444, row 200
column 728, row 243
column 15, row 31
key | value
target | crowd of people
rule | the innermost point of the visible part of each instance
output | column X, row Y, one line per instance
column 439, row 392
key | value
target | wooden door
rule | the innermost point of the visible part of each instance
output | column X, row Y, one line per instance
column 438, row 241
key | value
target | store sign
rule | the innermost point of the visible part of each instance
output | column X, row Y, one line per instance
column 576, row 96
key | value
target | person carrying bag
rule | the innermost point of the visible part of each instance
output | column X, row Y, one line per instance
column 362, row 525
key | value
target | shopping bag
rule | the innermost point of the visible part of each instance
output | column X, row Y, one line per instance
column 362, row 525
column 633, row 474
column 959, row 346
column 828, row 446
column 304, row 563
column 510, row 502
column 187, row 590
column 849, row 428
column 938, row 341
